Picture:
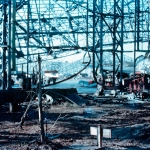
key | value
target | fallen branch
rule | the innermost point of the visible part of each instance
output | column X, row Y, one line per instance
column 55, row 122
column 25, row 113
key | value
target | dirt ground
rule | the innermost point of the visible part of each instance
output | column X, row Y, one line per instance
column 68, row 127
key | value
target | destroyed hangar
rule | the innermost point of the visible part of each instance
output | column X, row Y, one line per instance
column 74, row 74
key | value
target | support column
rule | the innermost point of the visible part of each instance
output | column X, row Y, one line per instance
column 13, row 29
column 40, row 102
column 114, row 43
column 94, row 47
column 28, row 11
column 148, row 28
column 4, row 47
column 121, row 45
column 9, row 47
column 101, row 41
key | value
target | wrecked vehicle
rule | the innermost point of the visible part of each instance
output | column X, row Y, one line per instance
column 85, row 83
column 50, row 76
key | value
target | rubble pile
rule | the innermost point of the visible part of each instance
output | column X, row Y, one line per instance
column 67, row 122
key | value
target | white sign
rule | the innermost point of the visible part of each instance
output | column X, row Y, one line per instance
column 106, row 132
column 93, row 130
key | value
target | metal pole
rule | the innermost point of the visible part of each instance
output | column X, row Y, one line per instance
column 87, row 27
column 138, row 24
column 148, row 25
column 94, row 50
column 28, row 11
column 11, row 105
column 135, row 37
column 40, row 102
column 13, row 29
column 4, row 34
column 121, row 60
column 114, row 43
column 101, row 41
column 99, row 136
column 9, row 48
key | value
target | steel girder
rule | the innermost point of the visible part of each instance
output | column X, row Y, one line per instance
column 117, row 22
column 57, row 28
column 108, row 16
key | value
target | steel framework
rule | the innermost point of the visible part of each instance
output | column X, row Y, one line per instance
column 55, row 29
